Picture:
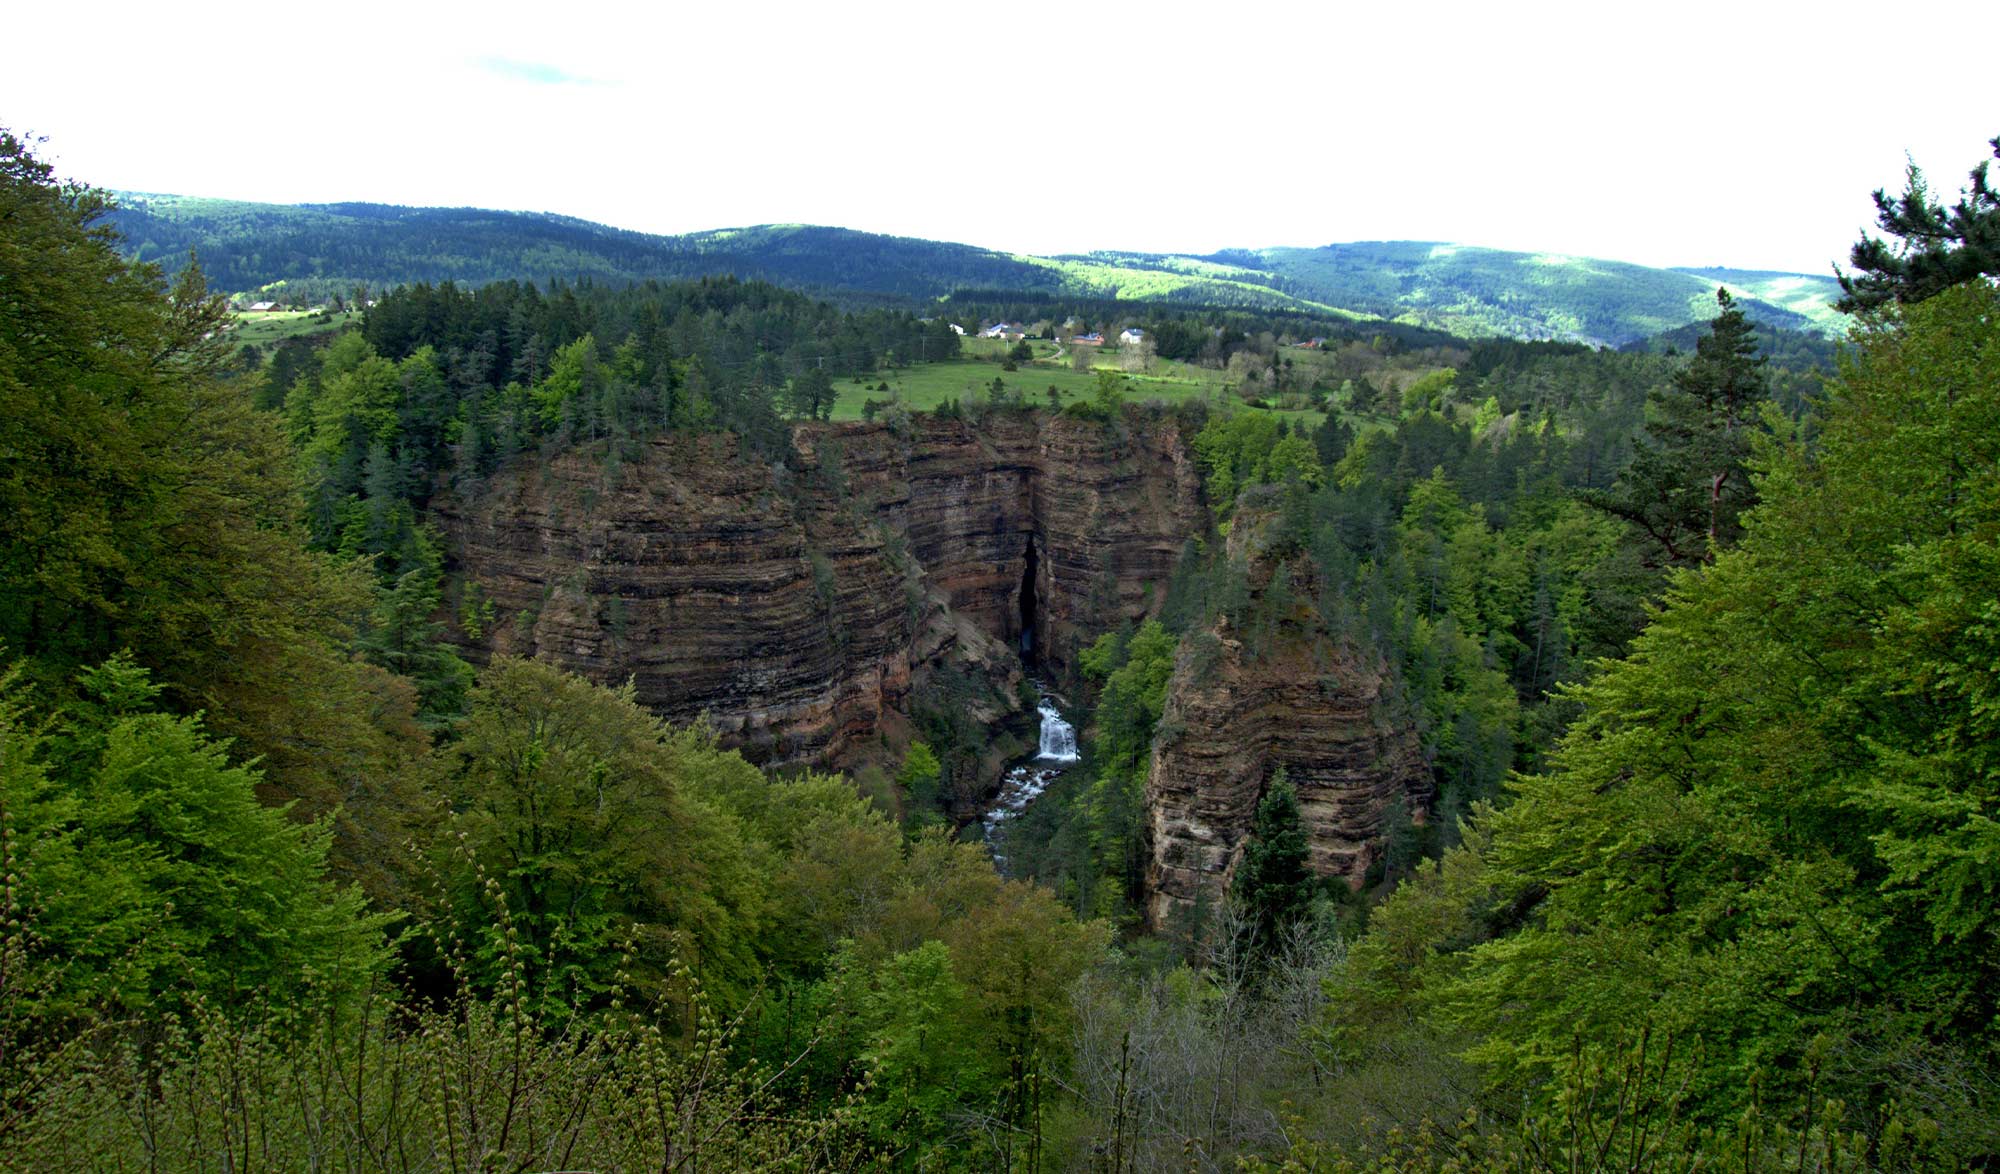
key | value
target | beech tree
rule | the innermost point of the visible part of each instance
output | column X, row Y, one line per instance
column 147, row 875
column 1774, row 827
column 576, row 830
column 146, row 504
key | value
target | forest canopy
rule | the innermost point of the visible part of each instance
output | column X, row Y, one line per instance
column 1691, row 650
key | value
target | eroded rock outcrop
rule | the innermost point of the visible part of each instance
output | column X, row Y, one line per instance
column 801, row 604
column 1278, row 689
column 1089, row 518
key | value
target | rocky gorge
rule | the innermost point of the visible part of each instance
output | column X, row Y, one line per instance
column 807, row 606
column 798, row 603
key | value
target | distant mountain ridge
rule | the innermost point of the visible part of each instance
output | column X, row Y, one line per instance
column 1466, row 290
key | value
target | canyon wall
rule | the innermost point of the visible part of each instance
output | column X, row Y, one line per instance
column 803, row 604
column 807, row 605
column 1083, row 520
column 1277, row 689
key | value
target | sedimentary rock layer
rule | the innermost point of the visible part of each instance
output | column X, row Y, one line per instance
column 1278, row 690
column 1105, row 509
column 799, row 603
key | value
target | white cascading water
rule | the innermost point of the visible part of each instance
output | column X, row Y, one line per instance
column 1025, row 783
column 1058, row 736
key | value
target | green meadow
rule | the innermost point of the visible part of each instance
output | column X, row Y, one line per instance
column 923, row 387
column 264, row 329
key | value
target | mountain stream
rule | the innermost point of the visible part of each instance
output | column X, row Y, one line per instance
column 1025, row 782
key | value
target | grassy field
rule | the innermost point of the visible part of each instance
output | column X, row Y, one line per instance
column 921, row 388
column 265, row 329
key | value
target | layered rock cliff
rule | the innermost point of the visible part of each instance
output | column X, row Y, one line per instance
column 1031, row 524
column 800, row 604
column 1275, row 689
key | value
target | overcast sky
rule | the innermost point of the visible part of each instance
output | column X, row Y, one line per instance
column 1741, row 133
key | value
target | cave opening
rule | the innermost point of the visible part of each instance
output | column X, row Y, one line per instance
column 1030, row 647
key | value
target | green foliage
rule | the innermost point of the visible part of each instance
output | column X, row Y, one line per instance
column 1088, row 838
column 1274, row 882
column 1773, row 825
column 1624, row 1107
column 811, row 394
column 150, row 875
column 920, row 1058
column 1135, row 674
column 416, row 1088
column 148, row 505
column 403, row 638
column 580, row 810
column 918, row 778
column 124, row 446
column 1109, row 398
column 575, row 375
column 1935, row 249
column 1429, row 393
column 1769, row 833
column 1685, row 492
column 1246, row 449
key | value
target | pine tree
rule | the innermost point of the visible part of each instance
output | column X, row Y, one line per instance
column 1686, row 491
column 1936, row 248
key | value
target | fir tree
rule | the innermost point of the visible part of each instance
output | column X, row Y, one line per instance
column 1274, row 883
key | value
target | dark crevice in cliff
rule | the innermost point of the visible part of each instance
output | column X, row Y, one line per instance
column 1031, row 644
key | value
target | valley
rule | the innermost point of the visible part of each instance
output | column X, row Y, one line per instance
column 501, row 691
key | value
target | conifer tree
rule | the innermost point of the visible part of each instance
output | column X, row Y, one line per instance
column 1274, row 883
column 1935, row 248
column 1686, row 491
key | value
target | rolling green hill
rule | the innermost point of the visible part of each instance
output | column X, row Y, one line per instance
column 1468, row 290
column 1802, row 293
column 329, row 248
column 315, row 251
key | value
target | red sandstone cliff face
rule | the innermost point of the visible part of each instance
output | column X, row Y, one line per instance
column 800, row 604
column 1105, row 510
column 1279, row 691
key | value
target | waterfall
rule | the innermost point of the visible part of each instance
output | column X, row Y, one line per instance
column 1026, row 782
column 1058, row 736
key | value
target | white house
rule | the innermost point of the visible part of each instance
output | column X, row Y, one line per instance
column 1004, row 330
column 1132, row 336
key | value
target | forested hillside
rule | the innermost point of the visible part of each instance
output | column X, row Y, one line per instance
column 1537, row 757
column 318, row 250
column 308, row 254
column 1481, row 291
